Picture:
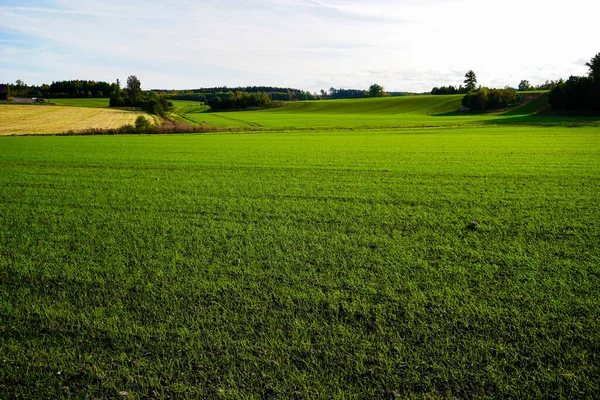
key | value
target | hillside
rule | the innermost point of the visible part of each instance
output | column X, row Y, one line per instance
column 408, row 111
column 419, row 105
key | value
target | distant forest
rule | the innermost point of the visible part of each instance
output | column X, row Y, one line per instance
column 373, row 91
column 61, row 89
column 89, row 88
column 523, row 86
column 100, row 89
column 224, row 92
column 275, row 93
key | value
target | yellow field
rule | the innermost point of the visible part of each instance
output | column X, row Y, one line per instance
column 33, row 119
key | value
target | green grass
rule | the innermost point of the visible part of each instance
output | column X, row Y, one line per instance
column 92, row 102
column 531, row 107
column 390, row 112
column 408, row 111
column 355, row 113
column 302, row 265
column 186, row 104
column 182, row 109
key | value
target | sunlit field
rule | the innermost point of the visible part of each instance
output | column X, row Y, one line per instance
column 91, row 102
column 315, row 264
column 378, row 113
column 36, row 119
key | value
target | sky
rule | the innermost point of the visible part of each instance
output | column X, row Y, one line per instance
column 403, row 45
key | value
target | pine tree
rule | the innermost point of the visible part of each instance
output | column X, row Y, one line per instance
column 470, row 81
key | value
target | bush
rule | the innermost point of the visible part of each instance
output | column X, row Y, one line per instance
column 142, row 123
column 116, row 101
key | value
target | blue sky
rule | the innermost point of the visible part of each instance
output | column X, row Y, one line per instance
column 404, row 45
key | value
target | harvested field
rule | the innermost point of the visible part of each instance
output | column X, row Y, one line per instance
column 30, row 119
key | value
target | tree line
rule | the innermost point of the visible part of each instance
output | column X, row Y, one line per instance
column 207, row 94
column 471, row 81
column 334, row 93
column 240, row 100
column 524, row 86
column 61, row 89
column 274, row 93
column 580, row 94
column 243, row 99
column 449, row 90
column 375, row 90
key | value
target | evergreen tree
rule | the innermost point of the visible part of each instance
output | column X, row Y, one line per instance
column 470, row 81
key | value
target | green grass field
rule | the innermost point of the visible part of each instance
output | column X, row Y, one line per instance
column 378, row 113
column 354, row 113
column 182, row 109
column 92, row 102
column 187, row 105
column 317, row 264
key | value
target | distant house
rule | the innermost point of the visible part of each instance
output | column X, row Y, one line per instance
column 3, row 92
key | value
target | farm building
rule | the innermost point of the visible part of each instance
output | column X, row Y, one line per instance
column 3, row 92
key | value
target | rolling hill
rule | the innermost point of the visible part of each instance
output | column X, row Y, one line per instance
column 407, row 111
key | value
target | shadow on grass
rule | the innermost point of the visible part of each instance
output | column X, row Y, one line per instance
column 456, row 113
column 523, row 116
column 530, row 108
column 527, row 109
column 545, row 121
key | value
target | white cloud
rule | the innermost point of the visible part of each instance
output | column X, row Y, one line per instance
column 311, row 44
